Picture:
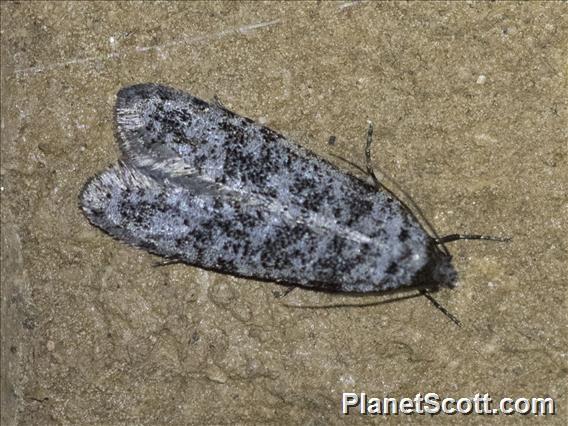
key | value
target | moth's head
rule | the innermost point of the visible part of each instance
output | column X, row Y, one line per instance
column 444, row 272
column 438, row 271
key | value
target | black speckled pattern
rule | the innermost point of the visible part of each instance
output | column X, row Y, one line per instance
column 203, row 185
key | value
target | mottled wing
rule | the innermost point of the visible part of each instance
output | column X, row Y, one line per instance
column 230, row 234
column 172, row 132
column 219, row 191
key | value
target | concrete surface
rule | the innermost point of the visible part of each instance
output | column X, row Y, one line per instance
column 470, row 106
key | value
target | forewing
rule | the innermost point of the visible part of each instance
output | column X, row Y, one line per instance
column 160, row 127
column 224, row 232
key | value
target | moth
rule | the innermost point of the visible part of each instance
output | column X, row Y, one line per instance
column 200, row 184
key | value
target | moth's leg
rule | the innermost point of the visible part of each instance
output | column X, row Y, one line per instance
column 285, row 292
column 368, row 158
column 369, row 163
column 457, row 237
column 217, row 102
column 369, row 171
column 166, row 262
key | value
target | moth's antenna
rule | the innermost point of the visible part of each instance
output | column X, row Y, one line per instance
column 351, row 163
column 368, row 158
column 418, row 213
column 456, row 237
column 355, row 305
column 438, row 306
column 415, row 209
column 422, row 292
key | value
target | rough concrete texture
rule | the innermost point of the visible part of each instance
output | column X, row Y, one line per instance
column 470, row 106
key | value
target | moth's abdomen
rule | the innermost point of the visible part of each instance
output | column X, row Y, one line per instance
column 253, row 237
